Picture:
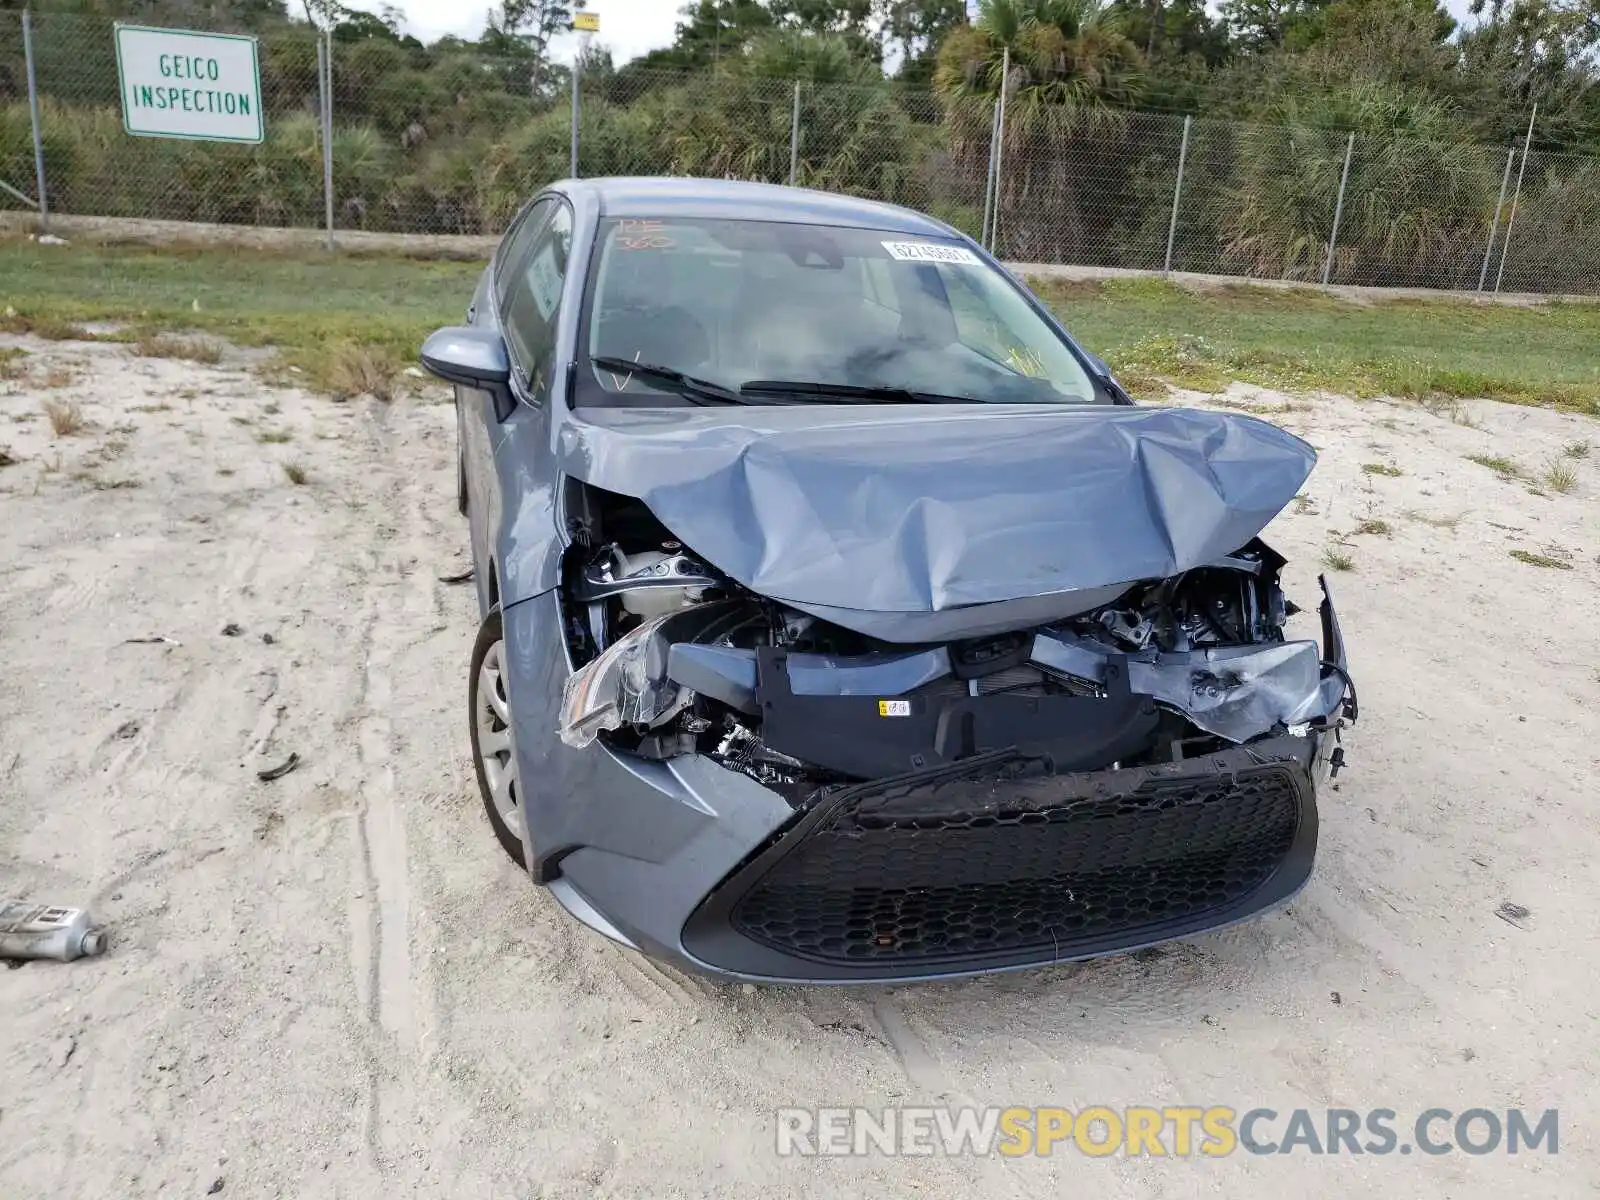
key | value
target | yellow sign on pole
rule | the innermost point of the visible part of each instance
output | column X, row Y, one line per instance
column 586, row 22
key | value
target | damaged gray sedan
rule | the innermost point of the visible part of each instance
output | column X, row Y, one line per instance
column 843, row 620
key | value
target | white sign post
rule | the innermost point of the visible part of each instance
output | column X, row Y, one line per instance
column 178, row 84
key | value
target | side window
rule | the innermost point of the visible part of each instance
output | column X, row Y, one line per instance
column 534, row 299
column 514, row 247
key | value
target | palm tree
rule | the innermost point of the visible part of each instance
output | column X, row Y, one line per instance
column 1072, row 74
column 1068, row 57
column 1416, row 201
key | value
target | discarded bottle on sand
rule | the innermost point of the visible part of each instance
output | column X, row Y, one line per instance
column 47, row 931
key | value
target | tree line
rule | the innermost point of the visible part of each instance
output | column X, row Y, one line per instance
column 897, row 101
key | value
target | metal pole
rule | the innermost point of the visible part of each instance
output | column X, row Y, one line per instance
column 1177, row 193
column 1000, row 145
column 38, row 133
column 1511, row 217
column 325, row 85
column 577, row 72
column 1494, row 221
column 1338, row 209
column 988, row 173
column 794, row 137
column 19, row 194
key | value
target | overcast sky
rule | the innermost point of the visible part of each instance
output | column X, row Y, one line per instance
column 629, row 27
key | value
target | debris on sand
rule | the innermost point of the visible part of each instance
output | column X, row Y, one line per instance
column 279, row 771
column 1514, row 914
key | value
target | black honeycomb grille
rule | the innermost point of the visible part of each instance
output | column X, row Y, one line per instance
column 963, row 871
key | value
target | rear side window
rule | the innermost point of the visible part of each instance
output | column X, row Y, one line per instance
column 533, row 300
column 514, row 248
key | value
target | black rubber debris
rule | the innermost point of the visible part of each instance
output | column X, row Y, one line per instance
column 231, row 630
column 1514, row 914
column 267, row 639
column 461, row 578
column 279, row 771
column 158, row 640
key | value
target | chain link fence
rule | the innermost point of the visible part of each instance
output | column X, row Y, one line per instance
column 447, row 140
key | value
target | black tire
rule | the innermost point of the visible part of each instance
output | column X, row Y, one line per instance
column 490, row 635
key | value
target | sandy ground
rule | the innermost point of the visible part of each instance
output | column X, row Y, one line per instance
column 335, row 984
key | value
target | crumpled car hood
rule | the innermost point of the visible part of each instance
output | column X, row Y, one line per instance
column 919, row 509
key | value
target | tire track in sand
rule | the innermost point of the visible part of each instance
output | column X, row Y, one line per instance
column 381, row 896
column 381, row 833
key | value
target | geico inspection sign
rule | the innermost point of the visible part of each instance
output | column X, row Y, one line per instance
column 189, row 85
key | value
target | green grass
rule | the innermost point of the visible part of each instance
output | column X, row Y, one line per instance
column 1388, row 469
column 1541, row 560
column 166, row 346
column 1336, row 559
column 1498, row 463
column 320, row 310
column 1152, row 332
column 1559, row 477
column 312, row 307
column 48, row 326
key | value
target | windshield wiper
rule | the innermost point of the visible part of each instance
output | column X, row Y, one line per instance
column 864, row 393
column 691, row 387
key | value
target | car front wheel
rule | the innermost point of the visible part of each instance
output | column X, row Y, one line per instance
column 493, row 752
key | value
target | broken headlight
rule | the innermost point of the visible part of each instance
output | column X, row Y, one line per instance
column 626, row 685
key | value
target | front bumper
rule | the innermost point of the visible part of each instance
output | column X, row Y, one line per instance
column 946, row 874
column 982, row 867
column 938, row 874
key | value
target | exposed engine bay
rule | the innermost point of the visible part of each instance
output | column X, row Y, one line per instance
column 673, row 658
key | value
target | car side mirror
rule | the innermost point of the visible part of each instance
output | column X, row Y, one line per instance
column 474, row 358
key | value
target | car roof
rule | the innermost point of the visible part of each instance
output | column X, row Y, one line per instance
column 674, row 196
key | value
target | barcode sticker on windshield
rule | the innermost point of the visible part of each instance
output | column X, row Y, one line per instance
column 934, row 252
